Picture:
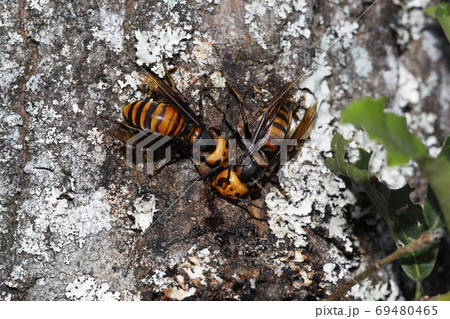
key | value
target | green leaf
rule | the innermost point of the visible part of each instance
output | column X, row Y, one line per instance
column 441, row 12
column 387, row 128
column 437, row 205
column 432, row 211
column 404, row 219
column 411, row 224
column 429, row 11
column 401, row 146
column 364, row 159
column 338, row 144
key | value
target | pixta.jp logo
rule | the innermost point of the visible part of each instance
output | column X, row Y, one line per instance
column 145, row 141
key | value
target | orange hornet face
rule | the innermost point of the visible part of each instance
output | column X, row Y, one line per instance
column 232, row 188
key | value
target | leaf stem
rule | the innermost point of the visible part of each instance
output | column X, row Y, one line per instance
column 418, row 293
column 426, row 239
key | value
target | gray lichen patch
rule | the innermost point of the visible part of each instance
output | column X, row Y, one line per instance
column 85, row 288
column 55, row 217
column 152, row 45
column 311, row 202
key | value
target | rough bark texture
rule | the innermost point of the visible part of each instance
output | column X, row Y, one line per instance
column 67, row 199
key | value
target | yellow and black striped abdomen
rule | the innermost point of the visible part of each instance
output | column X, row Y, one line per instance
column 279, row 127
column 158, row 117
